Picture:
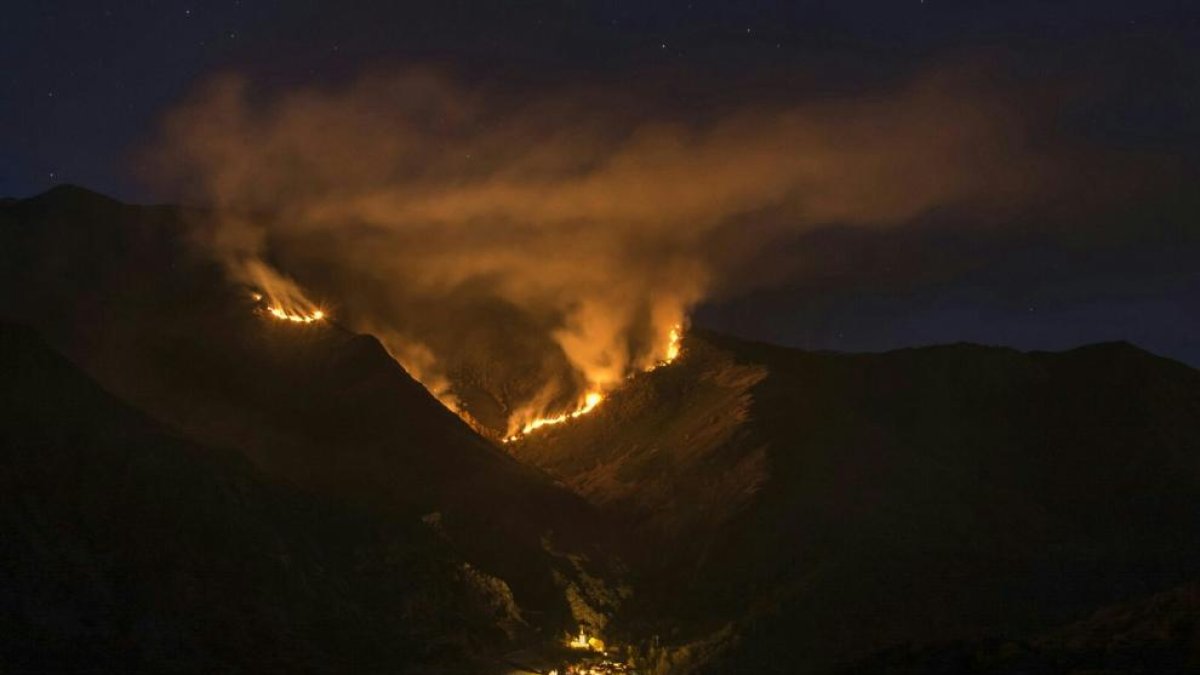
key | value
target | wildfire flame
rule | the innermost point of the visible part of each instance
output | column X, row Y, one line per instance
column 276, row 310
column 673, row 344
column 283, row 315
column 281, row 299
column 594, row 398
column 590, row 402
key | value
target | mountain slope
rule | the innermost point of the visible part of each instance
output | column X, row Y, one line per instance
column 126, row 548
column 781, row 511
column 118, row 289
column 1156, row 635
column 829, row 505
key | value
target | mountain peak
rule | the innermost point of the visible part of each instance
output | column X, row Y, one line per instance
column 75, row 195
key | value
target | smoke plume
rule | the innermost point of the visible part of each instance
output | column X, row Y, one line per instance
column 518, row 252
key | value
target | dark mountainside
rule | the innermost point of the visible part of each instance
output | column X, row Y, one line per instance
column 127, row 548
column 261, row 495
column 1159, row 635
column 804, row 509
column 115, row 288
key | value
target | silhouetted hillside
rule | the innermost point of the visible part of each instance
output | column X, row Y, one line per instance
column 1158, row 635
column 119, row 290
column 802, row 508
column 127, row 548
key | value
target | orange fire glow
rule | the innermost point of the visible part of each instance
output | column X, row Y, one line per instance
column 276, row 309
column 673, row 347
column 283, row 315
column 291, row 306
column 594, row 398
column 590, row 402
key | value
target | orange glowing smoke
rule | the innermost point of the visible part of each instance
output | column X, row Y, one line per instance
column 594, row 398
column 294, row 307
column 462, row 224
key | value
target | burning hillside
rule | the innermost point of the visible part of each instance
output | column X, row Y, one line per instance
column 595, row 398
column 590, row 401
column 521, row 256
column 276, row 310
column 769, row 478
column 279, row 297
column 296, row 308
column 795, row 487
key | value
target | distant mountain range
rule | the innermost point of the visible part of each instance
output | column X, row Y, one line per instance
column 822, row 506
column 195, row 487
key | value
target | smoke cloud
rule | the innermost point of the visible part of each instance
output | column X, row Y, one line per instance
column 516, row 252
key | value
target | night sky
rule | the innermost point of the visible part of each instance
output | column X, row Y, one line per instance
column 85, row 84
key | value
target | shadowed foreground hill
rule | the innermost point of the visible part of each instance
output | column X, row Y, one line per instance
column 1158, row 635
column 315, row 407
column 799, row 509
column 126, row 548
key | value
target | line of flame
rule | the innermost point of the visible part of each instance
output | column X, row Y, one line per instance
column 283, row 315
column 593, row 399
column 590, row 402
column 277, row 311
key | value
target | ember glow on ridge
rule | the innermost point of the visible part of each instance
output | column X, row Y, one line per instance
column 275, row 309
column 594, row 398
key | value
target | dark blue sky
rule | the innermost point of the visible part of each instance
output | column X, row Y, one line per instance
column 84, row 83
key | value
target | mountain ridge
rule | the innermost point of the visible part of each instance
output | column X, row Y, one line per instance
column 314, row 407
column 129, row 548
column 772, row 509
column 792, row 486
